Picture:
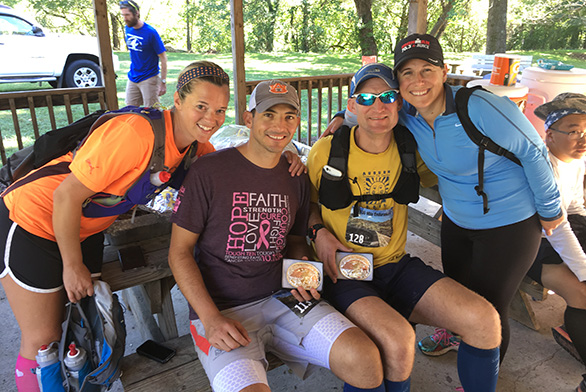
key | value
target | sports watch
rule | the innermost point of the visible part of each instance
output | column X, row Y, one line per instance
column 312, row 231
column 164, row 81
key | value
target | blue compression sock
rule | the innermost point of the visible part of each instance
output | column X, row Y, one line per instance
column 398, row 386
column 350, row 388
column 478, row 368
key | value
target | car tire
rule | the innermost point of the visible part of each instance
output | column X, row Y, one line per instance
column 83, row 73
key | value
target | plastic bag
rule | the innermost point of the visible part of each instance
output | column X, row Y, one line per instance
column 235, row 135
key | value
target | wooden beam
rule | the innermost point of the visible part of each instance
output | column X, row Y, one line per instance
column 417, row 17
column 106, row 62
column 238, row 73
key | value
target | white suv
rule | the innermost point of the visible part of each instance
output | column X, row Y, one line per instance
column 28, row 54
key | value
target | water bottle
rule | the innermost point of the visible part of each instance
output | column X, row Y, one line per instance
column 75, row 361
column 160, row 177
column 49, row 370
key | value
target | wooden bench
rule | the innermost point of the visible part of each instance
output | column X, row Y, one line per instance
column 147, row 290
column 429, row 228
column 50, row 99
column 483, row 63
column 182, row 373
column 461, row 80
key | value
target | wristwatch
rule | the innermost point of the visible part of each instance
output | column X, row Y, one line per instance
column 164, row 81
column 312, row 231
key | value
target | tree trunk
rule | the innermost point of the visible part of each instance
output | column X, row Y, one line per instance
column 365, row 32
column 404, row 26
column 187, row 27
column 305, row 26
column 115, row 35
column 441, row 23
column 272, row 8
column 496, row 27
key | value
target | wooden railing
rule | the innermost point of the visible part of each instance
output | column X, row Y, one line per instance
column 30, row 101
column 323, row 96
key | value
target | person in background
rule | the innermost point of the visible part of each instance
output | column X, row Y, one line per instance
column 404, row 289
column 561, row 262
column 144, row 86
column 245, row 213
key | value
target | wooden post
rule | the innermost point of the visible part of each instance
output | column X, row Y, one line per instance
column 238, row 73
column 106, row 63
column 417, row 17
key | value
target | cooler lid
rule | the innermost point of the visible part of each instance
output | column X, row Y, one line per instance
column 572, row 76
column 516, row 91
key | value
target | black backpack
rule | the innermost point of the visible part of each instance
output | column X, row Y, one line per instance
column 335, row 191
column 482, row 141
column 96, row 324
column 58, row 142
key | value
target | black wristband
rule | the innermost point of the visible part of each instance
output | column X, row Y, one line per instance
column 312, row 231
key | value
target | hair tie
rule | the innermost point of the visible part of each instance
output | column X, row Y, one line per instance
column 199, row 72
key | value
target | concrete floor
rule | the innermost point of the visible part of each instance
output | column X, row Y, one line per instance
column 534, row 362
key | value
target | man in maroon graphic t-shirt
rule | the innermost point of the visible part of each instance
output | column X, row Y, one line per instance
column 246, row 212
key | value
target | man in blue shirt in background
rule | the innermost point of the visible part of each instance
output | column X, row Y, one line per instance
column 146, row 48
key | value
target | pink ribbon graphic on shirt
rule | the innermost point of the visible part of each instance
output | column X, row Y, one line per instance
column 263, row 231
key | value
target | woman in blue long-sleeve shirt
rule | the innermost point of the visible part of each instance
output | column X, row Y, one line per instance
column 487, row 244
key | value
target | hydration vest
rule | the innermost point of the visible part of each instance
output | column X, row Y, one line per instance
column 335, row 191
column 142, row 191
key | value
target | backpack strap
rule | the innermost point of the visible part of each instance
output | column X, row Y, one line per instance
column 52, row 170
column 407, row 188
column 482, row 141
column 157, row 121
column 334, row 190
column 340, row 149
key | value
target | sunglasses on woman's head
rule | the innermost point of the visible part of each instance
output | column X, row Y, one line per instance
column 367, row 99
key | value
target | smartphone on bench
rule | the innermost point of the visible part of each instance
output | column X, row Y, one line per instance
column 131, row 257
column 156, row 351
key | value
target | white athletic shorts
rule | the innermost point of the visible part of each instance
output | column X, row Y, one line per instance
column 300, row 334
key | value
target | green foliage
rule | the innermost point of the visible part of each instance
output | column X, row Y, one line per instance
column 322, row 26
column 548, row 24
column 69, row 16
column 301, row 26
column 465, row 30
column 390, row 25
column 211, row 21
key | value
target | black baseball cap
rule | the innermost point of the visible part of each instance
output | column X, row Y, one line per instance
column 419, row 46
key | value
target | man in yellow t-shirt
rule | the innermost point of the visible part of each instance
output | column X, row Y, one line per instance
column 404, row 290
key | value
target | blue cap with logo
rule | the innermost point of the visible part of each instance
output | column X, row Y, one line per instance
column 373, row 70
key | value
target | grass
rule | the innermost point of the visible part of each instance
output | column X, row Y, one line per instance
column 258, row 66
